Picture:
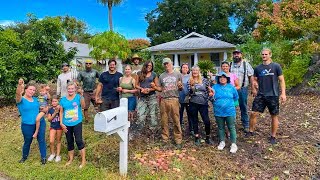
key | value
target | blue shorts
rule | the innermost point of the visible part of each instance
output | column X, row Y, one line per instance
column 132, row 103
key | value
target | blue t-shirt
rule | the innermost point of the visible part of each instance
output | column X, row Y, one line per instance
column 28, row 110
column 72, row 114
column 55, row 122
column 224, row 98
column 110, row 82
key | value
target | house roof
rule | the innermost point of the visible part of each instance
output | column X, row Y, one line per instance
column 192, row 41
column 83, row 49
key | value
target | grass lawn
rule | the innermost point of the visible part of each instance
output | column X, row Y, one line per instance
column 295, row 157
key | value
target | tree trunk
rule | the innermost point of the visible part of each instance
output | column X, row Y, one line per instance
column 110, row 17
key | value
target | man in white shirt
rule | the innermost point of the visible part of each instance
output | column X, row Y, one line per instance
column 63, row 80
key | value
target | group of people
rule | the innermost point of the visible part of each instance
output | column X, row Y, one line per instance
column 145, row 92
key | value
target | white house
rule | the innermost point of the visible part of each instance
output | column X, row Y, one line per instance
column 83, row 54
column 194, row 47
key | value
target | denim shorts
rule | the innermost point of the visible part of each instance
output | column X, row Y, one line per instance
column 132, row 103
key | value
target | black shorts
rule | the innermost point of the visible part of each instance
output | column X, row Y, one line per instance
column 261, row 102
column 109, row 104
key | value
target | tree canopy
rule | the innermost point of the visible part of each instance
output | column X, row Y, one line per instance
column 32, row 53
column 291, row 29
column 138, row 44
column 173, row 19
column 109, row 45
column 75, row 29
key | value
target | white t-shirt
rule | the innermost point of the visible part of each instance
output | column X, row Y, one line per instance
column 62, row 83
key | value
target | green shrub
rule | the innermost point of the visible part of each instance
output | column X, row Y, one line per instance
column 295, row 72
column 32, row 54
column 294, row 64
column 206, row 66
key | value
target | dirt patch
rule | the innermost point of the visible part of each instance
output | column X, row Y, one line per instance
column 295, row 157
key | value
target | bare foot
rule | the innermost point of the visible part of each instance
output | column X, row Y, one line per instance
column 82, row 165
column 68, row 163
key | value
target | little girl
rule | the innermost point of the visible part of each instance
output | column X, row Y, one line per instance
column 55, row 129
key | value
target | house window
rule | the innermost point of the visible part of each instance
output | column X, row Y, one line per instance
column 179, row 63
column 215, row 58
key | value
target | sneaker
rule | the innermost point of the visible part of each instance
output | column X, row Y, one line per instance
column 233, row 148
column 131, row 136
column 249, row 134
column 222, row 144
column 182, row 126
column 58, row 159
column 43, row 161
column 51, row 157
column 208, row 141
column 272, row 140
column 22, row 160
column 178, row 146
column 197, row 141
column 245, row 130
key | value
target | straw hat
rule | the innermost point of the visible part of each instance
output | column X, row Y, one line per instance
column 135, row 56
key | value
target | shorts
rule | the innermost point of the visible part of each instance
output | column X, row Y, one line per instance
column 88, row 97
column 109, row 104
column 56, row 128
column 260, row 102
column 132, row 103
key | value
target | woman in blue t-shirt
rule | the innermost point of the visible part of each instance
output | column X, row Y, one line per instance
column 225, row 95
column 28, row 107
column 71, row 122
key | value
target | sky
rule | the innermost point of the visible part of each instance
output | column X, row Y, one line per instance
column 128, row 17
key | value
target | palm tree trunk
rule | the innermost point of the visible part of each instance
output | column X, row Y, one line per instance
column 110, row 17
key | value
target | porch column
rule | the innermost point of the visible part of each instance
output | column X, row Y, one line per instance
column 195, row 58
column 225, row 56
column 152, row 57
column 176, row 62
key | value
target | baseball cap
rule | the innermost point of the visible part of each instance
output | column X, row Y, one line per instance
column 166, row 60
column 64, row 64
column 237, row 51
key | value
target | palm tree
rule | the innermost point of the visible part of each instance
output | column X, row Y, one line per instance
column 110, row 4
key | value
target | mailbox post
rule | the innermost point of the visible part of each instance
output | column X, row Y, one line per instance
column 116, row 121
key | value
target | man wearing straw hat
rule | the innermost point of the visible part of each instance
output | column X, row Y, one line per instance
column 136, row 67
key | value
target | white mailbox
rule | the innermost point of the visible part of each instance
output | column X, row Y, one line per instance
column 110, row 120
column 116, row 121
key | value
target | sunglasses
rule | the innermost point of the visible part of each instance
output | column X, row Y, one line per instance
column 88, row 63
